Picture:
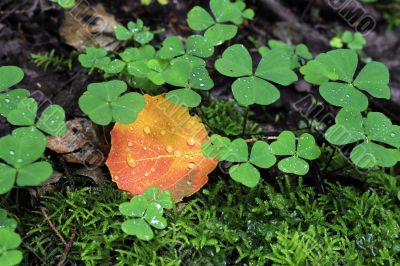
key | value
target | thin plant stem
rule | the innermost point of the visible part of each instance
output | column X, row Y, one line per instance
column 246, row 116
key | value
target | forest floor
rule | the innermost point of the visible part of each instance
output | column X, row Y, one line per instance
column 37, row 26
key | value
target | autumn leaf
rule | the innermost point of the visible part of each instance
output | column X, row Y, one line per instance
column 161, row 148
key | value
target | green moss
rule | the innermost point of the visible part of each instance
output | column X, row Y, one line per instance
column 227, row 224
column 225, row 118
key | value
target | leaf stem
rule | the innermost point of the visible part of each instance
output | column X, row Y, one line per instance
column 246, row 115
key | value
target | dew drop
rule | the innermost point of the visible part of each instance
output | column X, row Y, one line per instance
column 12, row 152
column 169, row 149
column 163, row 132
column 130, row 144
column 191, row 141
column 116, row 178
column 153, row 169
column 146, row 174
column 191, row 165
column 131, row 162
column 146, row 130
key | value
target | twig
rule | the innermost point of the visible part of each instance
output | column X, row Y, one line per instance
column 51, row 225
column 67, row 249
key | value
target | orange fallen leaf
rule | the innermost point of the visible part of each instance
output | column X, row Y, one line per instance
column 161, row 148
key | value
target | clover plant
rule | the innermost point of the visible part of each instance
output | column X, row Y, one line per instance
column 21, row 150
column 146, row 211
column 9, row 242
column 94, row 58
column 354, row 41
column 256, row 88
column 197, row 47
column 334, row 72
column 298, row 151
column 299, row 54
column 103, row 103
column 181, row 74
column 134, row 31
column 222, row 26
column 263, row 155
column 371, row 131
column 6, row 222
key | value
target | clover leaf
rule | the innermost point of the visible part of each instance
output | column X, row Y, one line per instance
column 115, row 66
column 236, row 151
column 354, row 41
column 146, row 211
column 143, row 64
column 196, row 48
column 94, row 58
column 374, row 130
column 65, row 3
column 298, row 54
column 136, row 31
column 51, row 121
column 334, row 72
column 255, row 88
column 103, row 103
column 9, row 242
column 6, row 222
column 306, row 149
column 10, row 76
column 20, row 151
column 181, row 74
column 10, row 100
column 223, row 26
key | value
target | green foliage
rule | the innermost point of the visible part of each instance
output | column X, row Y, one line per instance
column 51, row 121
column 223, row 26
column 67, row 4
column 226, row 118
column 94, row 58
column 146, row 211
column 306, row 149
column 148, row 2
column 50, row 59
column 390, row 10
column 334, row 72
column 263, row 155
column 255, row 88
column 21, row 150
column 136, row 31
column 103, row 103
column 374, row 130
column 299, row 54
column 228, row 224
column 7, row 222
column 354, row 41
column 181, row 74
column 10, row 76
column 197, row 48
column 9, row 242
